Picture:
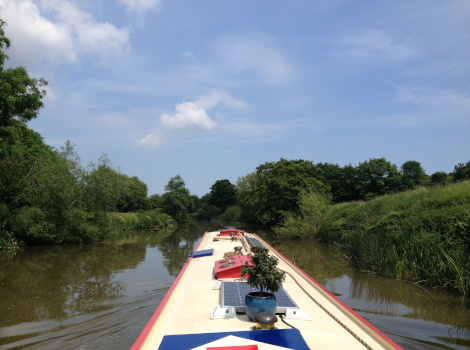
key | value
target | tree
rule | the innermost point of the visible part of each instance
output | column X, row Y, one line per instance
column 412, row 174
column 340, row 181
column 176, row 200
column 439, row 178
column 462, row 172
column 275, row 190
column 20, row 95
column 376, row 177
column 133, row 194
column 223, row 195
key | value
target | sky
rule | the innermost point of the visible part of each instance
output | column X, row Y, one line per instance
column 210, row 90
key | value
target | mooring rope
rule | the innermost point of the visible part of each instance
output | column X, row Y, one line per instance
column 330, row 314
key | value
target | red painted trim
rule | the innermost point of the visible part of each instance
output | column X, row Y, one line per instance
column 367, row 323
column 148, row 327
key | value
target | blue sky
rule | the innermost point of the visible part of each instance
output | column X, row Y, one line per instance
column 212, row 89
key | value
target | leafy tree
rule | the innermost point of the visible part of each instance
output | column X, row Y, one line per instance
column 246, row 198
column 412, row 174
column 155, row 201
column 223, row 195
column 133, row 194
column 341, row 181
column 176, row 199
column 20, row 95
column 102, row 191
column 19, row 155
column 276, row 188
column 439, row 178
column 462, row 172
column 376, row 177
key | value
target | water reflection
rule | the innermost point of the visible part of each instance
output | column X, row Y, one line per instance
column 54, row 282
column 100, row 296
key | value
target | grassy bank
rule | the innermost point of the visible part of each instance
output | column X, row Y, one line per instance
column 139, row 221
column 421, row 235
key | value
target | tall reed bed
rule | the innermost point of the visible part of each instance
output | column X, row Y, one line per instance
column 421, row 235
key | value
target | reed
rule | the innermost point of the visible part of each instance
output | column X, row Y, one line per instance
column 421, row 235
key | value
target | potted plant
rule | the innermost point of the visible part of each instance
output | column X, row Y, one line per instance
column 263, row 275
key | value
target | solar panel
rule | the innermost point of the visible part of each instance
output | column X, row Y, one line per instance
column 233, row 295
column 254, row 242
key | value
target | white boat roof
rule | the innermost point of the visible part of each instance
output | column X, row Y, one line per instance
column 187, row 308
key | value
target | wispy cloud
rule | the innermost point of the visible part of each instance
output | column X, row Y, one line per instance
column 429, row 107
column 256, row 54
column 141, row 6
column 371, row 45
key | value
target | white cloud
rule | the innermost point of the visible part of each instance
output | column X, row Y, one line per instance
column 374, row 45
column 189, row 115
column 33, row 36
column 71, row 32
column 141, row 6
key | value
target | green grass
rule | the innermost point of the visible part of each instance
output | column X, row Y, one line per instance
column 421, row 235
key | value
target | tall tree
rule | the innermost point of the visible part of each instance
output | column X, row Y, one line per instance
column 177, row 200
column 275, row 190
column 223, row 195
column 376, row 177
column 20, row 95
column 412, row 174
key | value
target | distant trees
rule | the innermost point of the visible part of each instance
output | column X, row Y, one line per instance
column 176, row 200
column 462, row 172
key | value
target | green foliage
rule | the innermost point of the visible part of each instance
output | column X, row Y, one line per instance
column 21, row 149
column 421, row 235
column 314, row 207
column 123, row 222
column 462, row 172
column 275, row 190
column 222, row 195
column 412, row 174
column 439, row 178
column 133, row 194
column 177, row 200
column 264, row 274
column 20, row 95
column 341, row 181
column 376, row 177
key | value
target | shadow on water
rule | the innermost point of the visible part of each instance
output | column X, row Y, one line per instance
column 101, row 296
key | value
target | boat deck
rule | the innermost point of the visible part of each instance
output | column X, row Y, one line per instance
column 188, row 305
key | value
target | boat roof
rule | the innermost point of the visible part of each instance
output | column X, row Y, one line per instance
column 195, row 315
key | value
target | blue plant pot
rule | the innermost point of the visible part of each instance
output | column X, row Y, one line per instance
column 254, row 303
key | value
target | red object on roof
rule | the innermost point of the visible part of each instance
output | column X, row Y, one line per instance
column 228, row 231
column 231, row 267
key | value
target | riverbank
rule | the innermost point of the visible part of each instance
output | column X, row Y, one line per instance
column 421, row 235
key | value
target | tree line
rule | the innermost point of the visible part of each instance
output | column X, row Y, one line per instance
column 48, row 196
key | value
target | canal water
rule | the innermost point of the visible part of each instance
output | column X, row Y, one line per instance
column 101, row 296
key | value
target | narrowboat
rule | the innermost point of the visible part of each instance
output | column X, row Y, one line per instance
column 204, row 307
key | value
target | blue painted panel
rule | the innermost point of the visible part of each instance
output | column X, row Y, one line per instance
column 200, row 253
column 288, row 338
